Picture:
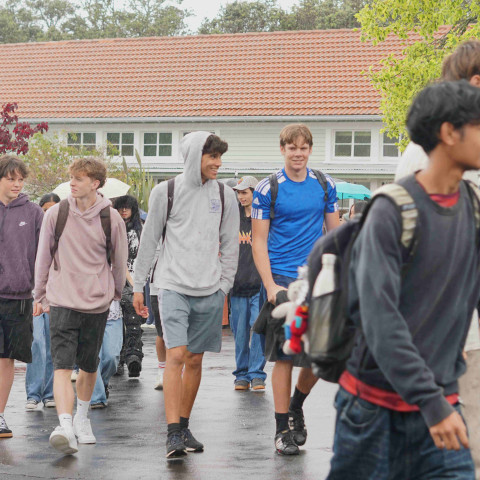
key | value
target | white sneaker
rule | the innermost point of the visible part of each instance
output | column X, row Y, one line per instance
column 83, row 430
column 74, row 376
column 159, row 380
column 50, row 403
column 64, row 440
column 31, row 404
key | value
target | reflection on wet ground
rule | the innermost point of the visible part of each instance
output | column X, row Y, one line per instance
column 237, row 429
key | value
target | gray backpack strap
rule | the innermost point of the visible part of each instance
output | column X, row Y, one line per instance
column 170, row 196
column 408, row 211
column 475, row 196
column 221, row 190
column 62, row 218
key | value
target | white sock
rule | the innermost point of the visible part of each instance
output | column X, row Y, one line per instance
column 82, row 407
column 161, row 364
column 65, row 420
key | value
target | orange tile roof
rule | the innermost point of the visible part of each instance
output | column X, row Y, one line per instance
column 255, row 74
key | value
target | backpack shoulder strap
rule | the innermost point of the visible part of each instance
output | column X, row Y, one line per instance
column 107, row 229
column 474, row 192
column 408, row 211
column 221, row 190
column 170, row 196
column 62, row 218
column 273, row 193
column 322, row 180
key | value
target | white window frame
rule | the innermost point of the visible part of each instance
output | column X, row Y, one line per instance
column 81, row 143
column 352, row 144
column 382, row 145
column 121, row 133
column 157, row 157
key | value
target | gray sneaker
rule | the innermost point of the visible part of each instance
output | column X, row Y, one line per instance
column 242, row 385
column 258, row 385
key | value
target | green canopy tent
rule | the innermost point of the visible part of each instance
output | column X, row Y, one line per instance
column 351, row 190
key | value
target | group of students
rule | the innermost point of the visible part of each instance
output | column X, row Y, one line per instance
column 398, row 407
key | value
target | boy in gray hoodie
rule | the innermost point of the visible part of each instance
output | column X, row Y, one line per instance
column 20, row 222
column 195, row 271
column 77, row 284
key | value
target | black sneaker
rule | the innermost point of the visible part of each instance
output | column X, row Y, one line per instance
column 5, row 432
column 296, row 422
column 192, row 444
column 134, row 365
column 120, row 370
column 175, row 446
column 285, row 444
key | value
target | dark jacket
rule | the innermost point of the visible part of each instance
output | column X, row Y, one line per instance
column 20, row 223
column 247, row 280
column 414, row 318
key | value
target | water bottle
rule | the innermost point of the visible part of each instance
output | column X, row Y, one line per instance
column 325, row 282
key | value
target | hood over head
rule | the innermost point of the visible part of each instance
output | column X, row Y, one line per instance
column 191, row 149
column 100, row 203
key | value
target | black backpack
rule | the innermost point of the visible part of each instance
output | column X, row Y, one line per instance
column 62, row 218
column 331, row 334
column 322, row 180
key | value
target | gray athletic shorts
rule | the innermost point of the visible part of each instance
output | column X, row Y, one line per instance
column 192, row 321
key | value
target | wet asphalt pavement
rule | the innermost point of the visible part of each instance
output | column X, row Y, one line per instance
column 237, row 429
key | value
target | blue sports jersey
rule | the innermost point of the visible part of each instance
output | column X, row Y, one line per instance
column 298, row 222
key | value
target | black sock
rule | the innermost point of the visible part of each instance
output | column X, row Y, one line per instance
column 282, row 422
column 183, row 422
column 296, row 402
column 173, row 428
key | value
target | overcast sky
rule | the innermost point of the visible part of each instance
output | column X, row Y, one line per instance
column 210, row 8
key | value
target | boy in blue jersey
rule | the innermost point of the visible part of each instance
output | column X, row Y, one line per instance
column 280, row 246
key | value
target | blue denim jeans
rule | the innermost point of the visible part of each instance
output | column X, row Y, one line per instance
column 372, row 442
column 249, row 354
column 109, row 358
column 282, row 281
column 39, row 376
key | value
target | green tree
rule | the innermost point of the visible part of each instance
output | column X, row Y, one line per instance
column 17, row 23
column 246, row 16
column 419, row 24
column 323, row 14
column 50, row 16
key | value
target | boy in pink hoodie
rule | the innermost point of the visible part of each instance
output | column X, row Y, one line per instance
column 77, row 285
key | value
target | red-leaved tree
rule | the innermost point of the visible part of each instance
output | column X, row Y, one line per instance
column 16, row 139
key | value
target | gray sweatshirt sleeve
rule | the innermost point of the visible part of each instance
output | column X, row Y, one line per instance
column 229, row 241
column 151, row 235
column 378, row 260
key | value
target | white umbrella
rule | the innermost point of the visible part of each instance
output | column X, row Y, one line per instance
column 112, row 188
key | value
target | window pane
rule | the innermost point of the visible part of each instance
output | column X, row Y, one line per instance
column 390, row 151
column 89, row 147
column 74, row 138
column 164, row 138
column 343, row 137
column 343, row 150
column 127, row 138
column 361, row 151
column 89, row 138
column 127, row 150
column 150, row 138
column 149, row 150
column 164, row 150
column 113, row 138
column 362, row 137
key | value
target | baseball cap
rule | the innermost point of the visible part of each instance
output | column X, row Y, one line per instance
column 246, row 182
